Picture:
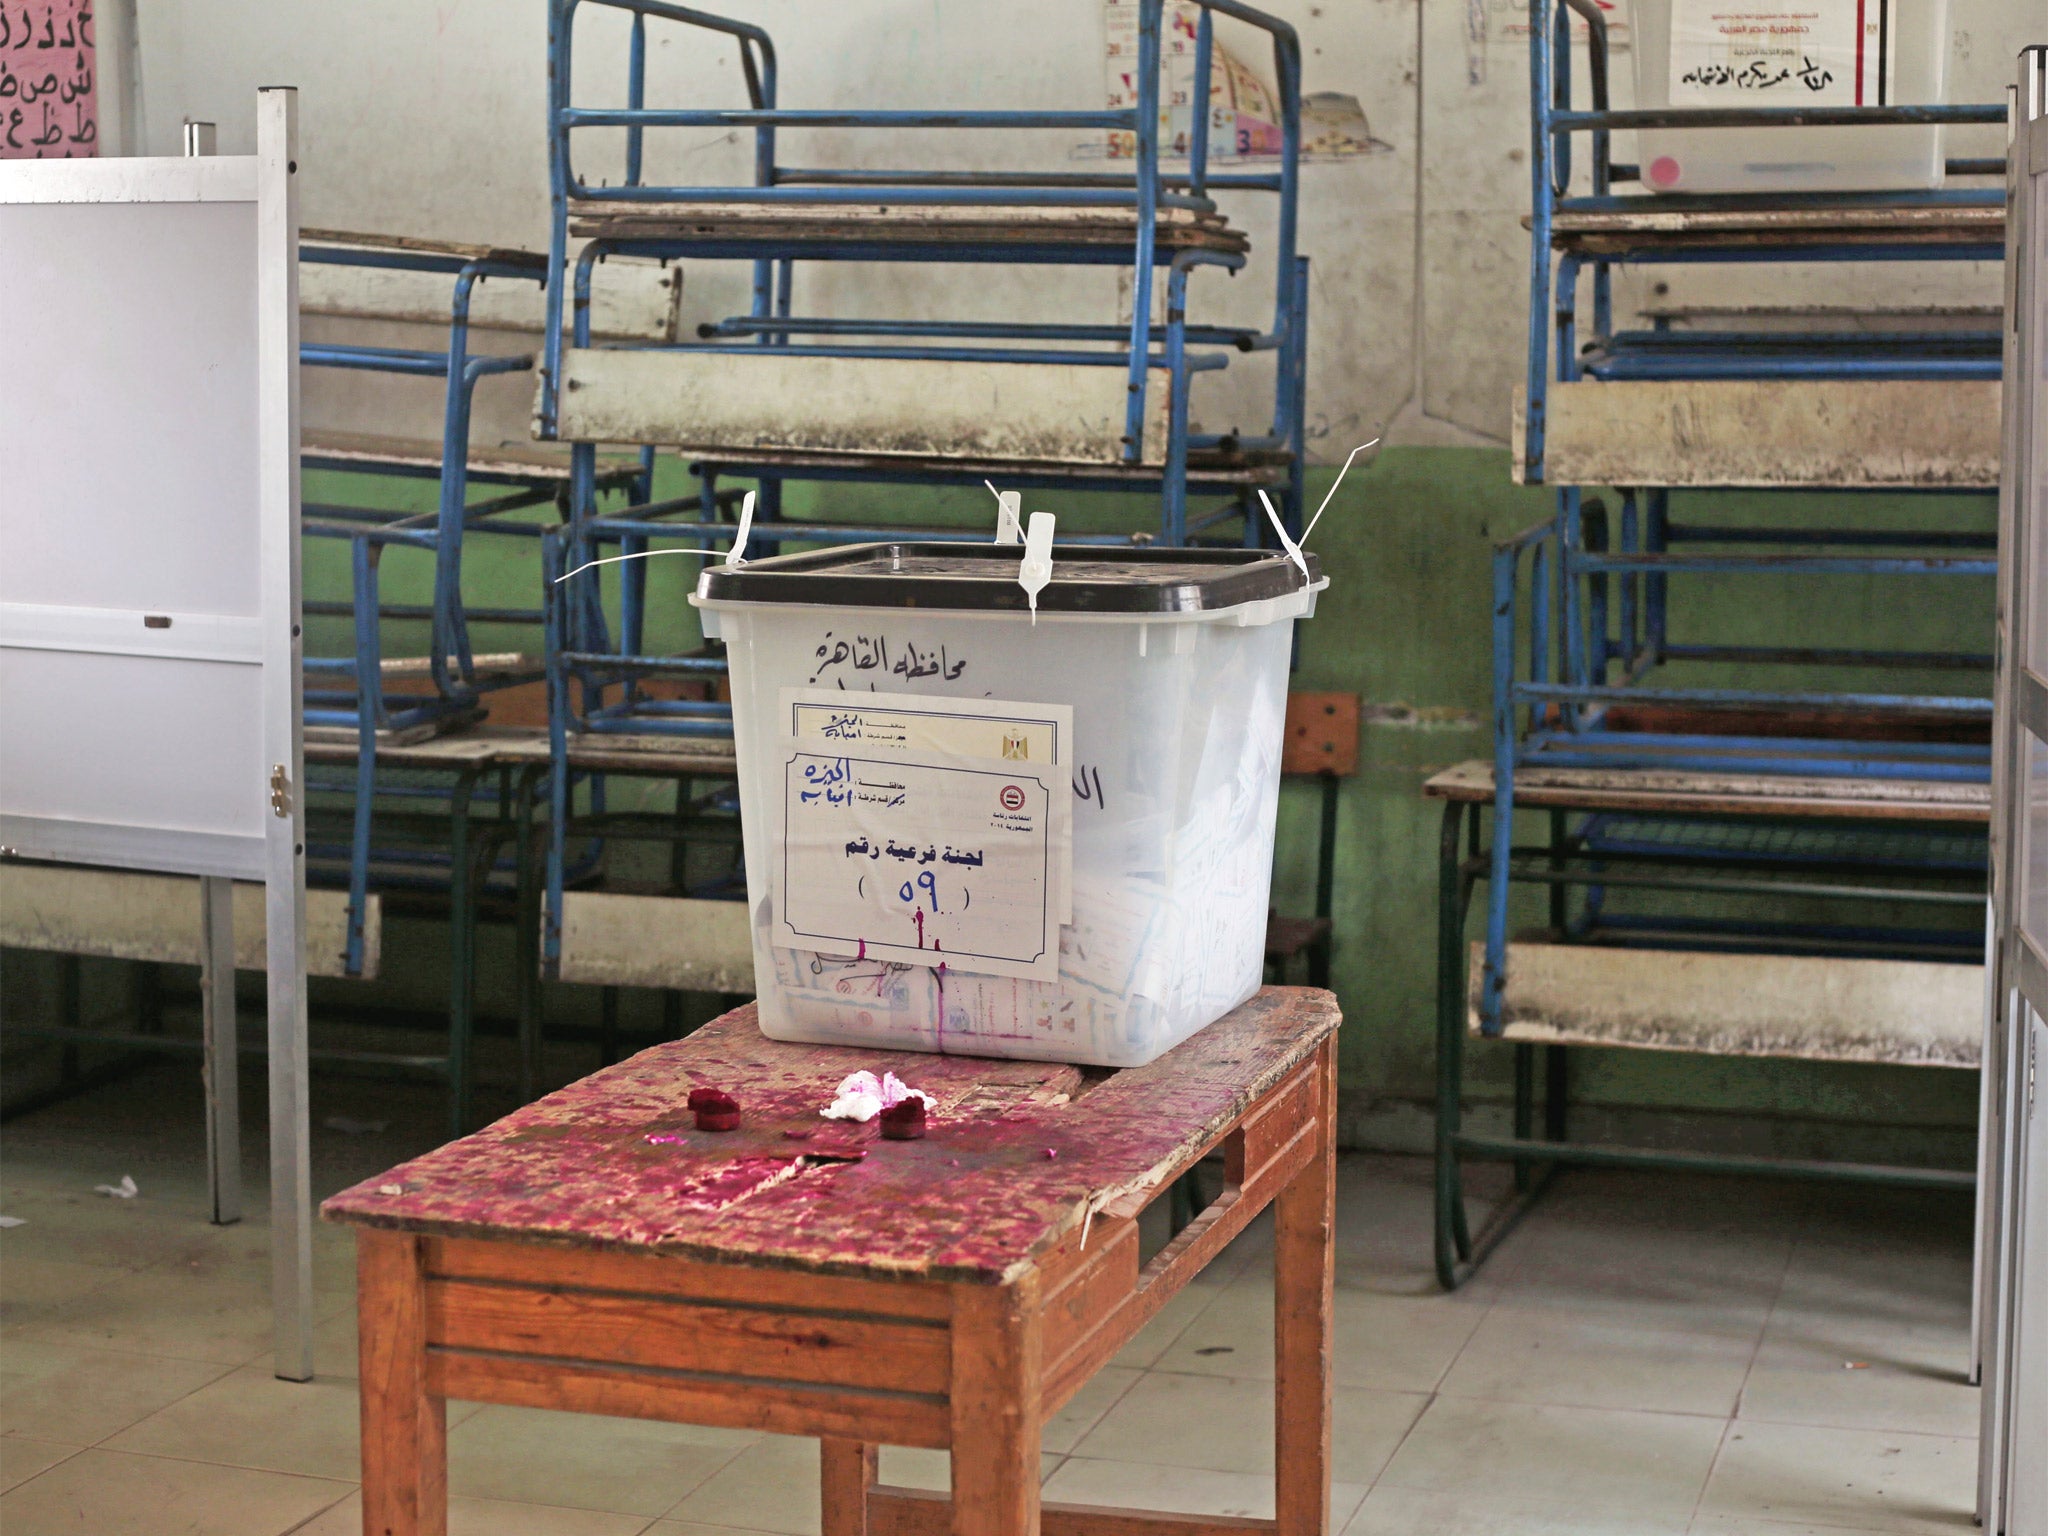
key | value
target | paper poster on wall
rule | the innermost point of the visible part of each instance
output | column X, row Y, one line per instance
column 1835, row 53
column 49, row 86
column 1244, row 115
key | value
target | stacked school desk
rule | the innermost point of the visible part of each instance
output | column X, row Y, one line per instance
column 1752, row 848
column 793, row 391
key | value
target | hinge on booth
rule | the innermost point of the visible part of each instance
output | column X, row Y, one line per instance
column 280, row 791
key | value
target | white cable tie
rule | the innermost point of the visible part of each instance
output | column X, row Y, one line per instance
column 645, row 554
column 1293, row 550
column 1311, row 528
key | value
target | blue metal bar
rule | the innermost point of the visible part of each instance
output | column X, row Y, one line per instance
column 608, row 528
column 1145, row 126
column 554, row 648
column 1143, row 360
column 1563, row 122
column 1779, row 255
column 799, row 117
column 1631, row 581
column 1541, row 159
column 605, row 661
column 1244, row 338
column 1173, row 525
column 502, row 264
column 1741, row 698
column 1834, row 565
column 636, row 93
column 715, row 729
column 1290, row 405
column 1651, row 745
column 1493, row 974
column 1767, row 367
column 369, row 712
column 689, row 709
column 1785, row 758
column 1935, row 661
column 1252, row 181
column 1198, row 115
column 1698, row 533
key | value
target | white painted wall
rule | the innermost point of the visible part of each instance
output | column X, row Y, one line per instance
column 427, row 119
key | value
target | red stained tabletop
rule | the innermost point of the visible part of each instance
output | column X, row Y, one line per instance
column 1015, row 1154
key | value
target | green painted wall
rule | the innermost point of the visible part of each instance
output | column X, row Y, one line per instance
column 1405, row 625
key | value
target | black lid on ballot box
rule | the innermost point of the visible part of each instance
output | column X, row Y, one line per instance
column 983, row 578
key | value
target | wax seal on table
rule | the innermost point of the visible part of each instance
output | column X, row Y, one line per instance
column 715, row 1111
column 904, row 1120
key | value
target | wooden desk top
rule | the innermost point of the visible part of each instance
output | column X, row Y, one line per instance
column 476, row 744
column 1721, row 794
column 1017, row 1153
column 518, row 745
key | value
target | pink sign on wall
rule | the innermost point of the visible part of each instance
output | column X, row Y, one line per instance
column 49, row 80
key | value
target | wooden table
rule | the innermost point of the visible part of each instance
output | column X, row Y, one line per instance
column 799, row 1275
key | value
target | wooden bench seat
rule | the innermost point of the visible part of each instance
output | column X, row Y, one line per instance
column 617, row 939
column 751, row 400
column 1814, row 1008
column 1206, row 470
column 363, row 240
column 1672, row 792
column 1659, row 224
column 882, row 224
column 1838, row 434
column 540, row 464
column 127, row 915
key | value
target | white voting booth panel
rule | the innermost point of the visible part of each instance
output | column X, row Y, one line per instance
column 2012, row 1292
column 149, row 587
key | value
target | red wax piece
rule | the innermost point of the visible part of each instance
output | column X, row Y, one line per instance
column 715, row 1111
column 903, row 1121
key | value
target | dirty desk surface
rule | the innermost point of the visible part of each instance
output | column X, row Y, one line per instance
column 1016, row 1153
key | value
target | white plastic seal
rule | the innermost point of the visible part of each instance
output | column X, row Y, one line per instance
column 1036, row 570
column 736, row 555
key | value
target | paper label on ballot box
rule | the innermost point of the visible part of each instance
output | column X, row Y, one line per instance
column 905, row 722
column 927, row 857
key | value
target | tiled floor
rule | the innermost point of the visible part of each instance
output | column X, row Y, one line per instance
column 1648, row 1355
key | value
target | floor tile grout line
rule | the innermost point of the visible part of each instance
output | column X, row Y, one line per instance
column 1854, row 1429
column 1763, row 1331
column 1713, row 1465
column 70, row 1452
column 323, row 1512
column 1735, row 1417
column 224, row 1466
column 698, row 1486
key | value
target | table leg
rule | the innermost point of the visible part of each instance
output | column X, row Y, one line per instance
column 221, row 1059
column 405, row 1429
column 846, row 1471
column 1303, row 1280
column 997, row 1351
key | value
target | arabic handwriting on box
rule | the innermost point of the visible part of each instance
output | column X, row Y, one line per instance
column 870, row 653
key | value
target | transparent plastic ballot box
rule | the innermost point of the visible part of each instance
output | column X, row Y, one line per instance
column 976, row 826
column 1765, row 53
